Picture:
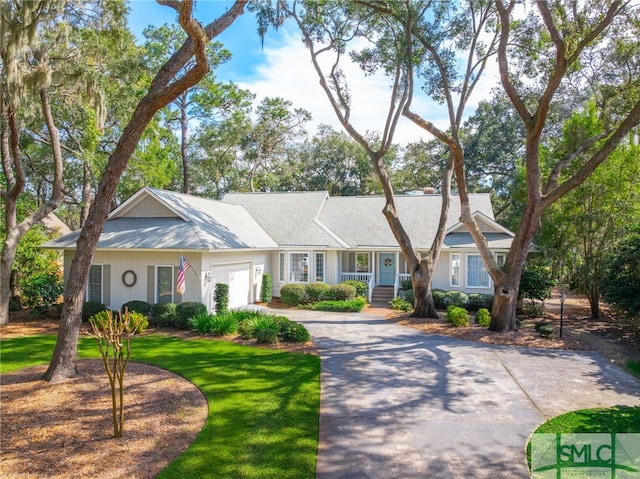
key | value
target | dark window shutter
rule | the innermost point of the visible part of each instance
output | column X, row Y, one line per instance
column 106, row 284
column 151, row 284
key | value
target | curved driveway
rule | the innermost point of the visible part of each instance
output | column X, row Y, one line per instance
column 398, row 403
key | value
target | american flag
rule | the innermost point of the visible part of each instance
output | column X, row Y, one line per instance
column 184, row 266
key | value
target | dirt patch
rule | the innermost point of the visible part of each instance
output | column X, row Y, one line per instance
column 65, row 430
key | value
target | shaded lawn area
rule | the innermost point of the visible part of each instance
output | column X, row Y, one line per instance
column 263, row 404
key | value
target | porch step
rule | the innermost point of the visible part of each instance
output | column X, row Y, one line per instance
column 382, row 295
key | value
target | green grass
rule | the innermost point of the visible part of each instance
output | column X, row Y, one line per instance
column 633, row 367
column 599, row 420
column 263, row 404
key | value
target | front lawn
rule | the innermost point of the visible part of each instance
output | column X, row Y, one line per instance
column 263, row 404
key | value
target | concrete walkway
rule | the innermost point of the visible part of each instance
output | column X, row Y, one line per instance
column 398, row 403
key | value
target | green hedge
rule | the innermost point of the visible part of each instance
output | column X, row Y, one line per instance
column 352, row 306
column 293, row 294
column 266, row 292
column 187, row 310
column 163, row 314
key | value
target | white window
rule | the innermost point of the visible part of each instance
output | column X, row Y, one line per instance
column 477, row 275
column 299, row 267
column 282, row 271
column 320, row 267
column 95, row 283
column 362, row 263
column 164, row 284
column 455, row 269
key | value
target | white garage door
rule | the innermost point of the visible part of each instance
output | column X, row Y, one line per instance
column 238, row 277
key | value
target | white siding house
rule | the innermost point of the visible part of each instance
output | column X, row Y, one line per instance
column 296, row 237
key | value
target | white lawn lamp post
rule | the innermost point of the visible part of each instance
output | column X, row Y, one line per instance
column 563, row 297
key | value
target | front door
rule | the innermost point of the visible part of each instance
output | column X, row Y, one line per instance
column 387, row 269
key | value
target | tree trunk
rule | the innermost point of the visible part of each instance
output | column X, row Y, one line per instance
column 593, row 294
column 423, row 306
column 164, row 89
column 184, row 125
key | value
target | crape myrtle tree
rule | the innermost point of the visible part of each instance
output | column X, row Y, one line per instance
column 328, row 28
column 165, row 87
column 551, row 46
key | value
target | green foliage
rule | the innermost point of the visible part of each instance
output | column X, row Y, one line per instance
column 406, row 285
column 400, row 304
column 438, row 298
column 41, row 290
column 293, row 294
column 620, row 285
column 31, row 260
column 483, row 317
column 221, row 298
column 536, row 283
column 137, row 306
column 164, row 314
column 217, row 325
column 90, row 308
column 266, row 291
column 475, row 301
column 361, row 287
column 457, row 316
column 201, row 323
column 342, row 292
column 266, row 335
column 352, row 305
column 293, row 332
column 317, row 291
column 409, row 297
column 633, row 367
column 455, row 298
column 187, row 310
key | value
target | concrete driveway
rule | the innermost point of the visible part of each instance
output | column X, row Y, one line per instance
column 398, row 403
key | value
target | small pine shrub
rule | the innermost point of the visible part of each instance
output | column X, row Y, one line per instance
column 342, row 292
column 187, row 310
column 317, row 291
column 483, row 317
column 457, row 316
column 400, row 304
column 266, row 336
column 91, row 308
column 456, row 298
column 201, row 323
column 266, row 291
column 137, row 306
column 438, row 298
column 361, row 287
column 293, row 294
column 164, row 314
column 221, row 298
column 350, row 306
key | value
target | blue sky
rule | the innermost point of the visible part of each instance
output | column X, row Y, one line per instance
column 282, row 68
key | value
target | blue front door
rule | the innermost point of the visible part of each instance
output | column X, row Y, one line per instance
column 386, row 269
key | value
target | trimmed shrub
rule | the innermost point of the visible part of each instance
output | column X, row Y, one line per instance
column 91, row 308
column 186, row 311
column 293, row 294
column 438, row 298
column 455, row 298
column 293, row 332
column 317, row 291
column 201, row 323
column 266, row 291
column 457, row 316
column 137, row 306
column 400, row 304
column 342, row 292
column 266, row 336
column 221, row 298
column 545, row 331
column 361, row 287
column 163, row 314
column 483, row 317
column 351, row 306
column 475, row 301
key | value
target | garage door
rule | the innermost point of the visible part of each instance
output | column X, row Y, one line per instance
column 238, row 277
